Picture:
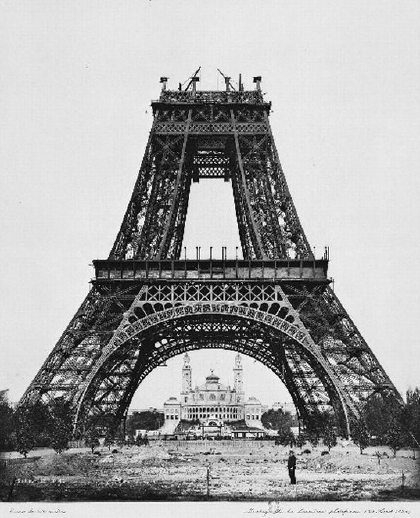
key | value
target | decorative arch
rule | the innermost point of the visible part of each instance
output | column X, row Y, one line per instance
column 144, row 343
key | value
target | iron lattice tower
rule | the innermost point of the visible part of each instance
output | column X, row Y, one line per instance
column 147, row 304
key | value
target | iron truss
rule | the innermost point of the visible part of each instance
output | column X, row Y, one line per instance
column 204, row 136
column 147, row 305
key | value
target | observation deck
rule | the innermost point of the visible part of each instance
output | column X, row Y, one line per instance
column 211, row 97
column 299, row 270
column 213, row 113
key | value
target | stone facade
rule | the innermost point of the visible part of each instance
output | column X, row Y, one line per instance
column 213, row 401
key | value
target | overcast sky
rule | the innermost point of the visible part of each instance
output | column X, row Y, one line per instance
column 76, row 83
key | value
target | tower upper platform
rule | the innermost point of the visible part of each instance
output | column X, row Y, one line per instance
column 211, row 96
column 232, row 96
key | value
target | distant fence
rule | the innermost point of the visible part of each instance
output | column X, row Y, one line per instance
column 206, row 444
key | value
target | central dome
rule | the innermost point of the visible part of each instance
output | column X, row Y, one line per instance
column 212, row 378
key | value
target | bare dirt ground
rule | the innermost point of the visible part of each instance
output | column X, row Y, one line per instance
column 213, row 471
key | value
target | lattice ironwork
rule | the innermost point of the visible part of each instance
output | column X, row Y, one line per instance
column 209, row 128
column 215, row 96
column 210, row 164
column 146, row 305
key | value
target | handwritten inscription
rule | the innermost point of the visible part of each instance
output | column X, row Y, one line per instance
column 281, row 508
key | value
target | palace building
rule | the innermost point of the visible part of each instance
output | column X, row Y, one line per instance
column 213, row 405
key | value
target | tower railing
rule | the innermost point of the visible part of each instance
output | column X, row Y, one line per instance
column 298, row 269
column 211, row 96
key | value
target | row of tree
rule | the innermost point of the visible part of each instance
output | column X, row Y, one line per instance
column 382, row 421
column 145, row 420
column 321, row 425
column 38, row 424
column 50, row 425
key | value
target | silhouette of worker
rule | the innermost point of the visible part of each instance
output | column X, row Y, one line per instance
column 291, row 466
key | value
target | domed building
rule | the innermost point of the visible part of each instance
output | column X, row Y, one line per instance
column 213, row 408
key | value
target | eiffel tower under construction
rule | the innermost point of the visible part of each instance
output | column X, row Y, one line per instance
column 148, row 303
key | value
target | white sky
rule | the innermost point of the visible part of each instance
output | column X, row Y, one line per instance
column 76, row 83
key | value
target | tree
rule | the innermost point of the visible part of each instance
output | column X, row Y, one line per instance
column 147, row 420
column 317, row 424
column 130, row 438
column 314, row 426
column 360, row 434
column 91, row 437
column 286, row 438
column 313, row 438
column 7, row 436
column 37, row 418
column 322, row 425
column 379, row 413
column 60, row 424
column 277, row 420
column 120, row 436
column 300, row 440
column 329, row 435
column 109, row 439
column 25, row 436
column 142, row 441
column 410, row 419
column 41, row 424
column 395, row 438
column 30, row 426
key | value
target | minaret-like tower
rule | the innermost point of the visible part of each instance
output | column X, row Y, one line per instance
column 238, row 383
column 186, row 375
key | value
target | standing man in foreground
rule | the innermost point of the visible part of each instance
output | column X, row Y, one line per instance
column 291, row 466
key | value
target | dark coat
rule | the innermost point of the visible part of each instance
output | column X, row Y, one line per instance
column 291, row 463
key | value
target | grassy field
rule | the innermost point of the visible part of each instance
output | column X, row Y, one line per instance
column 213, row 471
